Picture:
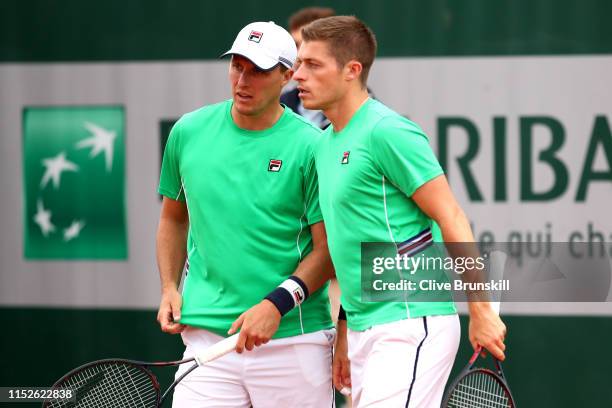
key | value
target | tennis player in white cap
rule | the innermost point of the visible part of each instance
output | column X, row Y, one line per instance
column 241, row 208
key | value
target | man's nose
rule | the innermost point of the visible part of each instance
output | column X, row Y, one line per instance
column 243, row 78
column 298, row 75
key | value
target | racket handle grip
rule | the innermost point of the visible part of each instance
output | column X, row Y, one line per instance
column 217, row 350
column 475, row 355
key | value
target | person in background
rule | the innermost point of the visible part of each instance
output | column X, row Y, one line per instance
column 290, row 97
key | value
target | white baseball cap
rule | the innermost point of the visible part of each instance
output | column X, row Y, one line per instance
column 266, row 45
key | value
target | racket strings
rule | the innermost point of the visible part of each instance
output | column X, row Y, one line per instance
column 112, row 385
column 479, row 390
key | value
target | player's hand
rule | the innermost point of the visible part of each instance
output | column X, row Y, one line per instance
column 341, row 367
column 257, row 325
column 169, row 312
column 487, row 329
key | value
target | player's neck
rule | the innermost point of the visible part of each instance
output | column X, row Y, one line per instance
column 262, row 121
column 341, row 112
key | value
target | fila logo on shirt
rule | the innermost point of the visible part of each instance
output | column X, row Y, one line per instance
column 255, row 36
column 345, row 158
column 275, row 165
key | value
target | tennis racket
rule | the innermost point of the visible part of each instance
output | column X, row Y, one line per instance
column 117, row 383
column 478, row 387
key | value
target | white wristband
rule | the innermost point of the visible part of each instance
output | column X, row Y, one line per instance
column 295, row 290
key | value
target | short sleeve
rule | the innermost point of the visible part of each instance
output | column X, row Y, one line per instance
column 311, row 190
column 402, row 152
column 170, row 184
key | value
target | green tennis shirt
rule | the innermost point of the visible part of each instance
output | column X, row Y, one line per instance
column 251, row 197
column 367, row 173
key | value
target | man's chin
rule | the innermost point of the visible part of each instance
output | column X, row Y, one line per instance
column 310, row 104
column 243, row 108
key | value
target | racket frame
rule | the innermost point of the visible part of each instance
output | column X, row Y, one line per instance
column 469, row 369
column 213, row 352
column 143, row 366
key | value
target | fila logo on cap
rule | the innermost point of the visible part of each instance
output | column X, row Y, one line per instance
column 275, row 165
column 255, row 36
column 279, row 46
column 345, row 158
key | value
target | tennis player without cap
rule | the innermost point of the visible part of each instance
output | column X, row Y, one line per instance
column 380, row 182
column 241, row 207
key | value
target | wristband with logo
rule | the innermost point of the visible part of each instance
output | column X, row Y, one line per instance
column 288, row 294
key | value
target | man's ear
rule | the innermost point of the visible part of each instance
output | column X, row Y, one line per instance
column 287, row 75
column 352, row 70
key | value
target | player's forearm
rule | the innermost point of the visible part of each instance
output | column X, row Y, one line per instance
column 171, row 251
column 341, row 329
column 316, row 268
column 455, row 226
column 478, row 308
column 459, row 240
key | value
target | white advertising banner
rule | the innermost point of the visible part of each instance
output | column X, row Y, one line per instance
column 526, row 141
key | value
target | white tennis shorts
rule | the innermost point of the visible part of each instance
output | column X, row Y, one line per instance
column 404, row 363
column 288, row 372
